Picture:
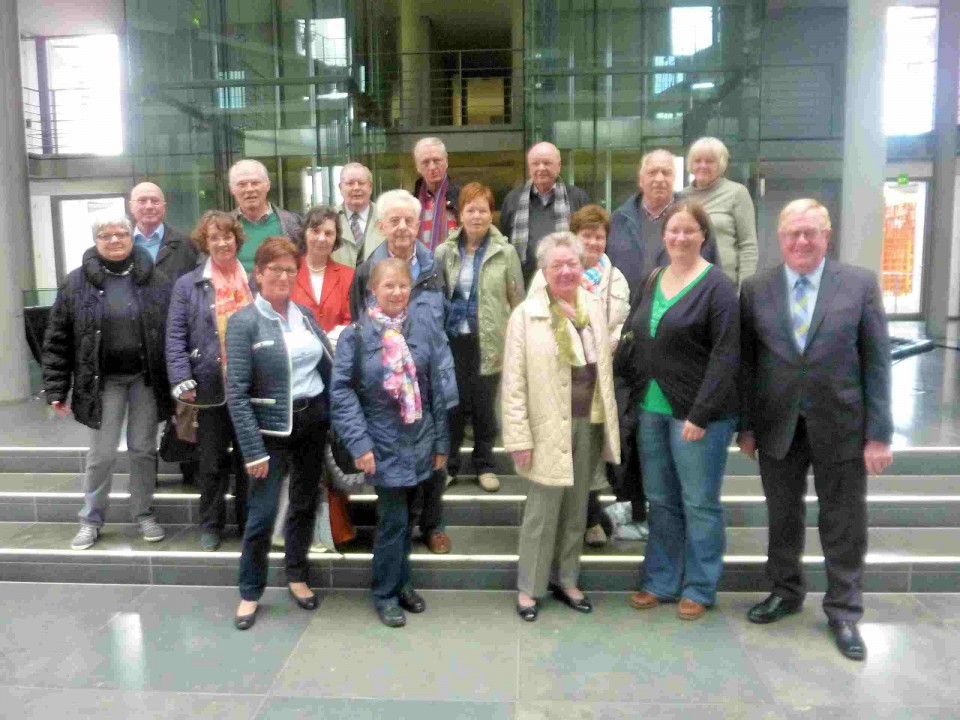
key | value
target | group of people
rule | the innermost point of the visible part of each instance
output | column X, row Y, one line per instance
column 621, row 347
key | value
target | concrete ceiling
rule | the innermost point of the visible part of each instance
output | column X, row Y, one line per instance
column 70, row 17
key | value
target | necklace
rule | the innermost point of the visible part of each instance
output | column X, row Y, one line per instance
column 314, row 270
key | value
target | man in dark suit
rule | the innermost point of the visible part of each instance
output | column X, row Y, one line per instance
column 815, row 366
column 172, row 252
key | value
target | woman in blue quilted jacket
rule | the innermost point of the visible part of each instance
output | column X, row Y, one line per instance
column 278, row 372
column 390, row 410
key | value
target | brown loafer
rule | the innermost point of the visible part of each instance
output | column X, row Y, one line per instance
column 644, row 600
column 439, row 542
column 690, row 609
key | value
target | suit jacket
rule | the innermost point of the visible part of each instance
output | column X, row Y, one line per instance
column 347, row 253
column 840, row 383
column 332, row 308
column 176, row 256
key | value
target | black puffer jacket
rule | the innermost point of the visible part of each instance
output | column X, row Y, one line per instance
column 71, row 347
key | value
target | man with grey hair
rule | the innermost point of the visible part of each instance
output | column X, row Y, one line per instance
column 172, row 252
column 635, row 246
column 357, row 215
column 541, row 206
column 400, row 223
column 438, row 196
column 250, row 185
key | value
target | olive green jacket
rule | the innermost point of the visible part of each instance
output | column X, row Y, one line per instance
column 499, row 291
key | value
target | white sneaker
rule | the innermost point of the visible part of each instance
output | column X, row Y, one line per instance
column 632, row 531
column 151, row 530
column 619, row 513
column 489, row 481
column 84, row 539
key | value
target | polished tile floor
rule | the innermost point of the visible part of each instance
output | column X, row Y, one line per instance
column 115, row 652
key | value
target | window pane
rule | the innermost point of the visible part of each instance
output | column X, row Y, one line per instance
column 910, row 72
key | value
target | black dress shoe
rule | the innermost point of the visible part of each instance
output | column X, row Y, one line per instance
column 245, row 622
column 309, row 603
column 392, row 616
column 582, row 605
column 528, row 612
column 772, row 609
column 411, row 601
column 849, row 641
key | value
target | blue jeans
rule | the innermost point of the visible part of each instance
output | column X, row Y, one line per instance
column 684, row 556
column 391, row 545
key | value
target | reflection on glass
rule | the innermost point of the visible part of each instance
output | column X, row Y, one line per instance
column 691, row 29
column 910, row 70
column 901, row 264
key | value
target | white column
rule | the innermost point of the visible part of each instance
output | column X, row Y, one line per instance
column 864, row 144
column 937, row 291
column 15, row 272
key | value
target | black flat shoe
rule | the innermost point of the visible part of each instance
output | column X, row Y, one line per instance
column 411, row 601
column 245, row 622
column 849, row 641
column 773, row 608
column 392, row 616
column 528, row 613
column 582, row 605
column 310, row 603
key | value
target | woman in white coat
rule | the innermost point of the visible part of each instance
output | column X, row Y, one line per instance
column 559, row 415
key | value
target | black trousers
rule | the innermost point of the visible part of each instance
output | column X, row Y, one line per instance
column 626, row 490
column 841, row 491
column 478, row 398
column 214, row 437
column 427, row 503
column 300, row 455
column 391, row 545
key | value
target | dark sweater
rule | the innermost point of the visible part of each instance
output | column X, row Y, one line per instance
column 695, row 355
column 122, row 343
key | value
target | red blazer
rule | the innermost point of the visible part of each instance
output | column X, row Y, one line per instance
column 333, row 306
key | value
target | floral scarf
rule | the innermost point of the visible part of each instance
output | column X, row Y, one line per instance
column 592, row 276
column 399, row 372
column 231, row 292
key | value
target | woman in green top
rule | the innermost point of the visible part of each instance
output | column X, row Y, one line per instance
column 686, row 332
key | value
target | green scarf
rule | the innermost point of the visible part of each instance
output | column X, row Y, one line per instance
column 558, row 320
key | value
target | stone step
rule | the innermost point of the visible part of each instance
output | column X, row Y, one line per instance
column 71, row 459
column 900, row 560
column 894, row 501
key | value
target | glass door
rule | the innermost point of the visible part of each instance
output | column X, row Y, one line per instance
column 901, row 265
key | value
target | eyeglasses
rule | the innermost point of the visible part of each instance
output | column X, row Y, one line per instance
column 277, row 272
column 572, row 265
column 395, row 221
column 120, row 235
column 808, row 234
column 683, row 233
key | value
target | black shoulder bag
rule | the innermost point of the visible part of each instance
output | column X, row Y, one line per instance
column 623, row 357
column 344, row 475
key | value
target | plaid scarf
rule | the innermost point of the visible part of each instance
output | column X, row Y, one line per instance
column 465, row 308
column 399, row 372
column 521, row 221
column 438, row 231
column 592, row 276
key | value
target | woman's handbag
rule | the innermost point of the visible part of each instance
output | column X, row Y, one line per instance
column 186, row 419
column 623, row 356
column 173, row 449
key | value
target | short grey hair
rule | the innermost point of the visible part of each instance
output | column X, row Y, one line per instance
column 551, row 242
column 254, row 165
column 397, row 198
column 649, row 156
column 105, row 221
column 710, row 146
column 429, row 142
column 357, row 166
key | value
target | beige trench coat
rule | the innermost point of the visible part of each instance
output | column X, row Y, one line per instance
column 536, row 391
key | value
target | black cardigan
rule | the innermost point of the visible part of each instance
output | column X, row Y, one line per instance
column 695, row 355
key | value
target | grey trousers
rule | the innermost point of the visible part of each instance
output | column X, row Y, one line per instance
column 555, row 518
column 122, row 395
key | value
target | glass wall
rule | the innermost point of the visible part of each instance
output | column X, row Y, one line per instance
column 608, row 80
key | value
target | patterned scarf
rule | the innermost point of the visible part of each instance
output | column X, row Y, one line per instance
column 521, row 221
column 438, row 231
column 561, row 333
column 591, row 277
column 231, row 292
column 462, row 308
column 399, row 372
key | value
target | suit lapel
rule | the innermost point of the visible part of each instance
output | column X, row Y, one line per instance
column 331, row 278
column 303, row 279
column 776, row 296
column 829, row 283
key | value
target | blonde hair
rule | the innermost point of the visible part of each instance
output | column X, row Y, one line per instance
column 710, row 146
column 386, row 265
column 803, row 206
